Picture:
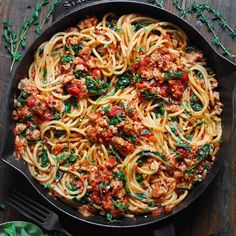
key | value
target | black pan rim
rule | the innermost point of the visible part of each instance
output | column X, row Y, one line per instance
column 44, row 194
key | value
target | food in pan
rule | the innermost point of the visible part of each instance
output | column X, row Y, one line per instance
column 118, row 117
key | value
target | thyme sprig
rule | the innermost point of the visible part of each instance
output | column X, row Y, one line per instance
column 47, row 17
column 22, row 35
column 15, row 41
column 159, row 3
column 199, row 10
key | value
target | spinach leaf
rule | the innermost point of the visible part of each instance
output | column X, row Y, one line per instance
column 101, row 186
column 45, row 75
column 78, row 74
column 66, row 59
column 76, row 48
column 145, row 153
column 69, row 104
column 23, row 98
column 44, row 158
column 147, row 94
column 139, row 26
column 96, row 86
column 183, row 145
column 123, row 81
column 200, row 123
column 131, row 138
column 139, row 177
column 119, row 205
column 196, row 104
column 72, row 187
column 173, row 75
column 47, row 186
column 119, row 175
column 59, row 175
column 116, row 120
column 160, row 110
column 92, row 86
column 139, row 196
column 115, row 154
column 109, row 217
column 203, row 153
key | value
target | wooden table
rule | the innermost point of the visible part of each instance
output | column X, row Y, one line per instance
column 214, row 213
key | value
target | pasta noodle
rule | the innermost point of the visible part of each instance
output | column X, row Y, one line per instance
column 118, row 117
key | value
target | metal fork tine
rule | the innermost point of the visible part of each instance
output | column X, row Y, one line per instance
column 22, row 211
column 33, row 202
column 29, row 203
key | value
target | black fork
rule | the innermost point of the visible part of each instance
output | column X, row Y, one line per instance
column 41, row 215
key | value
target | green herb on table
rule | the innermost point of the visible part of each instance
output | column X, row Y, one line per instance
column 14, row 41
column 48, row 15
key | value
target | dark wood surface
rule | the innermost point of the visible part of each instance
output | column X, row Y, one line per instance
column 214, row 213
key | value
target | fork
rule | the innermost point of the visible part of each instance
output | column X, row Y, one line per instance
column 41, row 215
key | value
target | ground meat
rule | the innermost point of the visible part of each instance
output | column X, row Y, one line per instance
column 55, row 103
column 19, row 128
column 121, row 145
column 128, row 129
column 87, row 210
column 33, row 134
column 159, row 189
column 173, row 108
column 20, row 145
column 194, row 56
column 93, row 116
column 72, row 40
column 72, row 29
column 29, row 86
column 213, row 82
column 87, row 23
column 92, row 134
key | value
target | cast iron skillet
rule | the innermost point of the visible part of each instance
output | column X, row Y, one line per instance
column 224, row 69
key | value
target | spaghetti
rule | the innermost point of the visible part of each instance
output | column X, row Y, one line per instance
column 119, row 117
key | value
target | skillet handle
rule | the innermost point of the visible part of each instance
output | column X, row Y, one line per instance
column 166, row 230
column 65, row 6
